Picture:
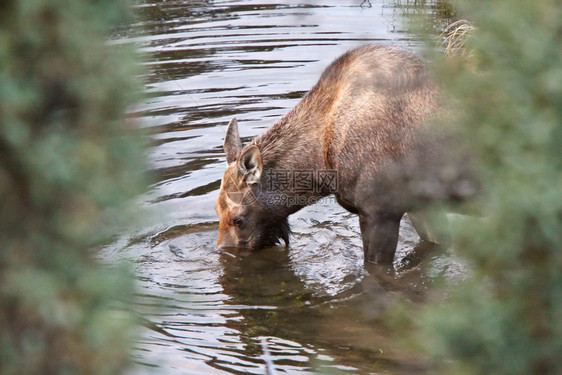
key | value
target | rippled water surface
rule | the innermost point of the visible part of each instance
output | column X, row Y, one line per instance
column 313, row 305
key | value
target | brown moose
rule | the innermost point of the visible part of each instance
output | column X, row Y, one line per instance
column 358, row 135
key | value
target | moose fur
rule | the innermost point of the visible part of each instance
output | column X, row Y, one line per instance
column 365, row 121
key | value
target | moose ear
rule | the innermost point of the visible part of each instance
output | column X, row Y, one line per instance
column 250, row 165
column 232, row 143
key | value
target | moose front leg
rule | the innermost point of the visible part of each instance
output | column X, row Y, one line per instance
column 380, row 236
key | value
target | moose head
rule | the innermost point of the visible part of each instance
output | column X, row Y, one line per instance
column 246, row 218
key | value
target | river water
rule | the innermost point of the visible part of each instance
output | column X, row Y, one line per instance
column 313, row 306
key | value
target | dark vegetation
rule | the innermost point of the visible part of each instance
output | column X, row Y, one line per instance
column 68, row 162
column 506, row 82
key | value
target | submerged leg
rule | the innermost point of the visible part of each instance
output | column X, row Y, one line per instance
column 431, row 227
column 380, row 236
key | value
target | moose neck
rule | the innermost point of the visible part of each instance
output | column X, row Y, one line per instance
column 293, row 153
column 298, row 139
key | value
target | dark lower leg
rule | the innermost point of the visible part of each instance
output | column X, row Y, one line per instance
column 380, row 236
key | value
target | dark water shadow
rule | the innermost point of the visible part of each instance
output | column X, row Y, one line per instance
column 352, row 326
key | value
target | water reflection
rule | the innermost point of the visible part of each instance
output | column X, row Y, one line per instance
column 350, row 324
column 314, row 304
column 205, row 310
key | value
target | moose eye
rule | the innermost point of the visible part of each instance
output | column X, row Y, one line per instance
column 238, row 222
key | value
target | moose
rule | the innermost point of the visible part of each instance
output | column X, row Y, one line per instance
column 360, row 134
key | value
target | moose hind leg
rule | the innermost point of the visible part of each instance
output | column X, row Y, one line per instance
column 433, row 228
column 380, row 236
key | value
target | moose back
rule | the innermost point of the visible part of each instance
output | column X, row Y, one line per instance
column 357, row 134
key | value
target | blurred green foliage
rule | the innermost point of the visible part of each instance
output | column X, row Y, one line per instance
column 68, row 164
column 506, row 318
